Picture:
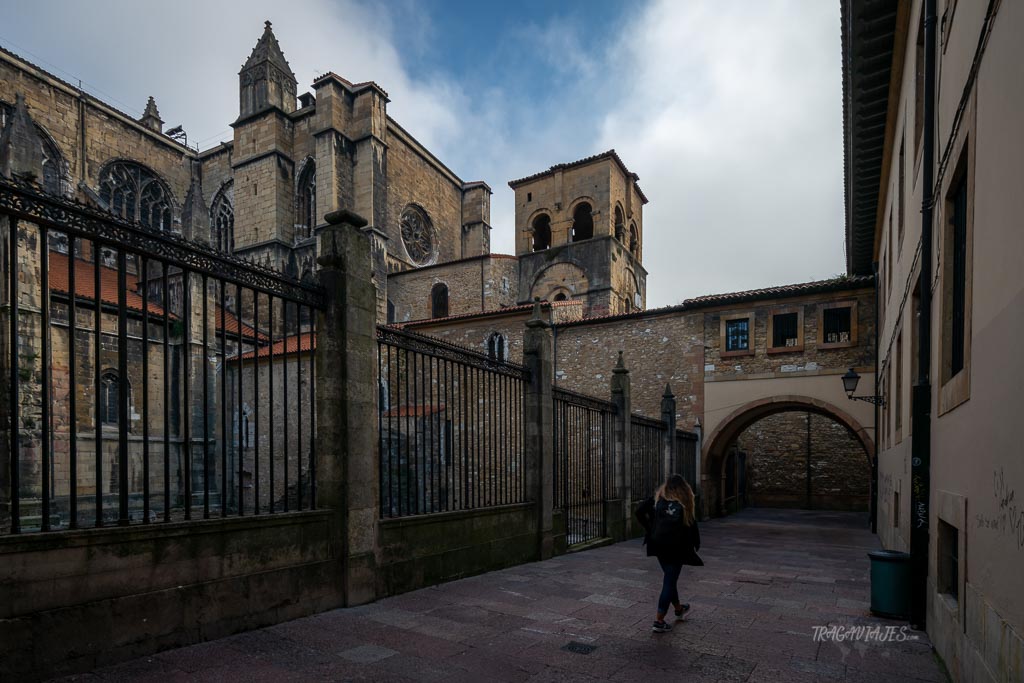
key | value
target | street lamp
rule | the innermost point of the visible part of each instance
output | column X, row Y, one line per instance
column 850, row 380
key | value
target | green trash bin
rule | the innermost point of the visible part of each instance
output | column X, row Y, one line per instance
column 890, row 584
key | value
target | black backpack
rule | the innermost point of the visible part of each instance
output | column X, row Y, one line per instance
column 669, row 525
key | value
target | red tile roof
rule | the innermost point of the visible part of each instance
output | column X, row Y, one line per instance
column 414, row 411
column 85, row 281
column 231, row 325
column 301, row 343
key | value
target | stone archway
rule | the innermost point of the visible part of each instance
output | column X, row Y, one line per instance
column 716, row 446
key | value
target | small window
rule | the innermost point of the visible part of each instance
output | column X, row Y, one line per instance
column 110, row 392
column 837, row 325
column 582, row 222
column 560, row 296
column 620, row 225
column 634, row 240
column 785, row 330
column 496, row 347
column 958, row 229
column 737, row 335
column 896, row 509
column 949, row 560
column 541, row 232
column 529, row 196
column 439, row 301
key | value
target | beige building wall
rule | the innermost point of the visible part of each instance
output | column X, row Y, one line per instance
column 977, row 474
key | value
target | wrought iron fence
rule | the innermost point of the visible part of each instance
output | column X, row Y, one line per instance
column 582, row 451
column 450, row 421
column 684, row 458
column 647, row 437
column 151, row 379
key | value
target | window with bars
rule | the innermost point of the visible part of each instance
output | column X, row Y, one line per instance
column 110, row 392
column 737, row 335
column 837, row 325
column 786, row 333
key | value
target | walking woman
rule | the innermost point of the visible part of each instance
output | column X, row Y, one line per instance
column 672, row 536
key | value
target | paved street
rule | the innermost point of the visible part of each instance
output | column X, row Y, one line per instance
column 771, row 576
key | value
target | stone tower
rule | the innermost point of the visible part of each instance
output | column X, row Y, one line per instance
column 579, row 235
column 262, row 162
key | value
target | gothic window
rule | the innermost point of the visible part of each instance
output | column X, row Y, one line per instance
column 391, row 311
column 541, row 232
column 110, row 392
column 634, row 240
column 439, row 301
column 582, row 222
column 620, row 226
column 222, row 219
column 305, row 201
column 496, row 347
column 135, row 193
column 417, row 235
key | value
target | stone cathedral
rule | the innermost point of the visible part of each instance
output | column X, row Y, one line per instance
column 296, row 157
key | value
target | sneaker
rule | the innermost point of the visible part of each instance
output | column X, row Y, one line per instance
column 683, row 609
column 661, row 627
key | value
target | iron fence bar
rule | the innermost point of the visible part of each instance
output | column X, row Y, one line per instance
column 185, row 462
column 222, row 289
column 47, row 425
column 167, row 401
column 123, row 390
column 98, row 330
column 145, row 388
column 72, row 398
column 270, row 394
column 256, row 402
column 240, row 447
column 284, row 391
column 15, row 418
column 298, row 404
column 206, row 402
column 312, row 410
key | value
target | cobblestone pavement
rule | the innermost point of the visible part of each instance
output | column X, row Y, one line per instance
column 770, row 578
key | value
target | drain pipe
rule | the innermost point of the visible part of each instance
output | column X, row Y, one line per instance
column 920, row 467
column 878, row 409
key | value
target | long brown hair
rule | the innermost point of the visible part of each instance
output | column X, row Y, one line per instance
column 675, row 488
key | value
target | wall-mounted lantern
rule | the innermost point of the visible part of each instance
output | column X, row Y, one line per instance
column 850, row 381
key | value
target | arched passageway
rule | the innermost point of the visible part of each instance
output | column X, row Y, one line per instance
column 789, row 451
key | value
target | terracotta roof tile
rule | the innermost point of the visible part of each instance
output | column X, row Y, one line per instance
column 85, row 281
column 296, row 343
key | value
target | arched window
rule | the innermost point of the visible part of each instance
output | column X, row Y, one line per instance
column 133, row 192
column 222, row 219
column 305, row 201
column 110, row 392
column 541, row 232
column 560, row 296
column 439, row 301
column 582, row 222
column 496, row 347
column 391, row 311
column 620, row 225
column 634, row 240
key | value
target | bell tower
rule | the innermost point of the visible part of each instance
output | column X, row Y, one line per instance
column 579, row 235
column 266, row 79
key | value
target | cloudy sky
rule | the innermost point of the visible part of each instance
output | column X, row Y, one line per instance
column 729, row 110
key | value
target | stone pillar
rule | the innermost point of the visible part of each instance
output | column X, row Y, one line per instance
column 346, row 389
column 668, row 416
column 622, row 443
column 538, row 424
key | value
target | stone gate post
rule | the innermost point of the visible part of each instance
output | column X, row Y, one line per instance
column 346, row 410
column 668, row 416
column 622, row 444
column 538, row 426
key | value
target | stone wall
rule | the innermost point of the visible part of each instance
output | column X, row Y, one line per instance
column 777, row 463
column 486, row 283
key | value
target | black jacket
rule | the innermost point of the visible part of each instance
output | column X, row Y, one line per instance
column 666, row 535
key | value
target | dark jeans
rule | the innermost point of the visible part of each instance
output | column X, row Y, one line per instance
column 669, row 592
